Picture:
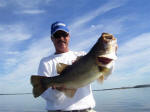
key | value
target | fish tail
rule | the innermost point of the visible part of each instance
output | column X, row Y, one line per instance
column 40, row 84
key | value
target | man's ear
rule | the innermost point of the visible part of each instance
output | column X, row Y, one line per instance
column 69, row 37
column 52, row 38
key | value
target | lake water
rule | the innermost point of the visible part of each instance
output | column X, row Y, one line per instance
column 129, row 100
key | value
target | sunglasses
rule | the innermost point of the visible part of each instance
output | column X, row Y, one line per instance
column 60, row 34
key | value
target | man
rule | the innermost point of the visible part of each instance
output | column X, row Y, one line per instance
column 83, row 100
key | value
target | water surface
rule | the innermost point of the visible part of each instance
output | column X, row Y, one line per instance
column 128, row 100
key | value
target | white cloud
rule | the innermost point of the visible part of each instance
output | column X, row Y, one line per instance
column 27, row 64
column 31, row 4
column 2, row 3
column 134, row 62
column 12, row 52
column 93, row 14
column 10, row 62
column 135, row 51
column 137, row 59
column 14, row 36
column 13, row 33
column 84, row 37
column 144, row 69
column 31, row 11
column 136, row 44
column 84, row 44
column 25, row 6
column 109, row 25
column 28, row 3
column 10, row 37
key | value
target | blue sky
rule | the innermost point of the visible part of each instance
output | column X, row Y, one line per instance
column 25, row 37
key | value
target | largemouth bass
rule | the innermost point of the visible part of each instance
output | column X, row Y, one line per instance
column 86, row 69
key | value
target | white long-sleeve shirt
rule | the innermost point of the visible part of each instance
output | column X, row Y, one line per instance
column 56, row 100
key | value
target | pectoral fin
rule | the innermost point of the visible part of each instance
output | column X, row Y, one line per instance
column 105, row 72
column 101, row 79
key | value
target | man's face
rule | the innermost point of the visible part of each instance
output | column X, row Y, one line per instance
column 60, row 40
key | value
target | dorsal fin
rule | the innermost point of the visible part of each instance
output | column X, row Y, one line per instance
column 78, row 57
column 60, row 67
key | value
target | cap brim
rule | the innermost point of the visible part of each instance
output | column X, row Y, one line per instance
column 62, row 29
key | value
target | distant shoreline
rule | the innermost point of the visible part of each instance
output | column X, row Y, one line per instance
column 137, row 86
column 121, row 88
column 16, row 94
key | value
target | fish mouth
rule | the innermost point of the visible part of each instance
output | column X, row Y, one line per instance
column 104, row 60
column 108, row 37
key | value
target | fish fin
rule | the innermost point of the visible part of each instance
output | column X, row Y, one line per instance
column 69, row 92
column 78, row 57
column 101, row 79
column 60, row 67
column 38, row 85
column 105, row 73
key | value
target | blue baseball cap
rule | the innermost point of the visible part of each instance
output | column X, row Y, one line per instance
column 58, row 25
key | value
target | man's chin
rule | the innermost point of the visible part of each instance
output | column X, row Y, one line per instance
column 63, row 49
column 62, row 46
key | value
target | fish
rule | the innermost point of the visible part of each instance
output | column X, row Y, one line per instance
column 86, row 69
